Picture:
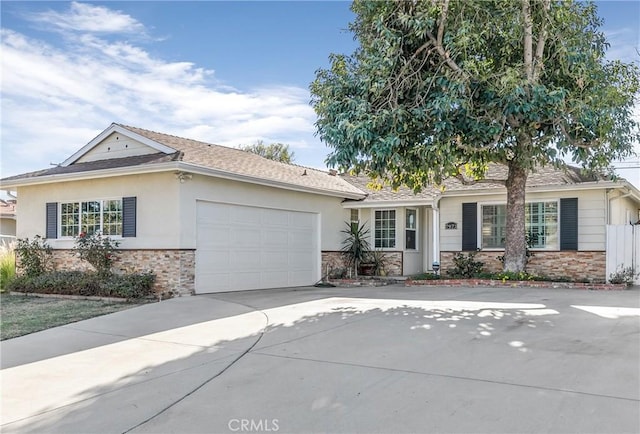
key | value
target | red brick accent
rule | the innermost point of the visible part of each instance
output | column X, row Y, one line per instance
column 174, row 269
column 516, row 284
column 333, row 261
column 575, row 265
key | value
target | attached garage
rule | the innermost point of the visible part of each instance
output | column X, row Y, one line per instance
column 242, row 247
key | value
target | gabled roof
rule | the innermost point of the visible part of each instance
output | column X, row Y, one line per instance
column 182, row 154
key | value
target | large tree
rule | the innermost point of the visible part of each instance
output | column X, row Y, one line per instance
column 443, row 88
column 275, row 151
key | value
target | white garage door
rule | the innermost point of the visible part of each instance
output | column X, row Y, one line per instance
column 242, row 247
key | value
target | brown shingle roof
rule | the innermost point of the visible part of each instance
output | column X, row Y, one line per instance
column 112, row 163
column 236, row 161
column 208, row 156
column 542, row 176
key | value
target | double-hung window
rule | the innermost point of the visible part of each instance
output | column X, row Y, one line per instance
column 385, row 229
column 541, row 222
column 96, row 216
column 411, row 226
column 355, row 219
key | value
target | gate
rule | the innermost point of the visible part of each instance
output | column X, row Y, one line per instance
column 623, row 248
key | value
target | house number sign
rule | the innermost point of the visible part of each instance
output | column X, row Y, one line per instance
column 451, row 225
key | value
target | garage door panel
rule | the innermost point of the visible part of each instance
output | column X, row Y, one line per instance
column 243, row 260
column 210, row 215
column 301, row 220
column 211, row 237
column 246, row 237
column 301, row 240
column 275, row 259
column 245, row 216
column 241, row 247
column 274, row 237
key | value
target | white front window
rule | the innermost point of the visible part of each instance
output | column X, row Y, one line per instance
column 97, row 216
column 385, row 229
column 541, row 222
column 411, row 229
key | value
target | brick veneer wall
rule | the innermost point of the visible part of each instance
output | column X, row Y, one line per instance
column 580, row 266
column 174, row 269
column 334, row 261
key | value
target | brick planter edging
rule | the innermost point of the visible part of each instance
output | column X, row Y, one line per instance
column 517, row 284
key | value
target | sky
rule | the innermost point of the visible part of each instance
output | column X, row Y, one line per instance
column 229, row 73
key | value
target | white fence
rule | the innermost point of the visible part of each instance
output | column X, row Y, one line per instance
column 623, row 248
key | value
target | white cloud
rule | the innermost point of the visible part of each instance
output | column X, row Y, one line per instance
column 56, row 98
column 83, row 17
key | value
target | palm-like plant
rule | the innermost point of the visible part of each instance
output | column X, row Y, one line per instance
column 355, row 245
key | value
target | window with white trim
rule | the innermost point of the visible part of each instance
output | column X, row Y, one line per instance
column 355, row 219
column 541, row 222
column 411, row 228
column 97, row 216
column 385, row 229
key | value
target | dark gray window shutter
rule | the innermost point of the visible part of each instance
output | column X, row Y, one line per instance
column 128, row 216
column 469, row 226
column 569, row 224
column 52, row 220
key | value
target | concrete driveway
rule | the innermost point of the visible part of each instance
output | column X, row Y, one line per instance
column 389, row 359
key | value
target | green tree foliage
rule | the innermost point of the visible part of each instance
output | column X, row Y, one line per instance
column 275, row 151
column 442, row 88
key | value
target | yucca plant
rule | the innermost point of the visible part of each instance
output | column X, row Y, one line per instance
column 7, row 264
column 355, row 245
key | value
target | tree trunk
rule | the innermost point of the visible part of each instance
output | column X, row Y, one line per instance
column 515, row 248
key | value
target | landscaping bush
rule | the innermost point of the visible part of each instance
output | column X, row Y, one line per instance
column 466, row 266
column 426, row 276
column 80, row 283
column 7, row 265
column 34, row 256
column 97, row 250
column 623, row 275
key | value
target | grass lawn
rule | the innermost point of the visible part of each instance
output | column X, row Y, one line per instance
column 21, row 315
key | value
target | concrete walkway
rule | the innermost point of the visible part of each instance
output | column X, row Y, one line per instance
column 389, row 359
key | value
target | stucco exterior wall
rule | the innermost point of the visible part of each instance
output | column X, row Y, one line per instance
column 591, row 214
column 203, row 188
column 158, row 210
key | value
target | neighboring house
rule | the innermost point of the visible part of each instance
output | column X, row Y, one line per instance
column 7, row 220
column 207, row 218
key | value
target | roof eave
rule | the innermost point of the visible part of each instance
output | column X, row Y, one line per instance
column 591, row 185
column 387, row 203
column 174, row 166
column 201, row 170
column 91, row 174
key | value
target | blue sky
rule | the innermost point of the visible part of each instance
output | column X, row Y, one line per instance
column 229, row 73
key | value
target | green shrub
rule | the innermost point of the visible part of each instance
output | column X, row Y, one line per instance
column 426, row 276
column 86, row 284
column 7, row 265
column 623, row 275
column 97, row 250
column 466, row 266
column 34, row 255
